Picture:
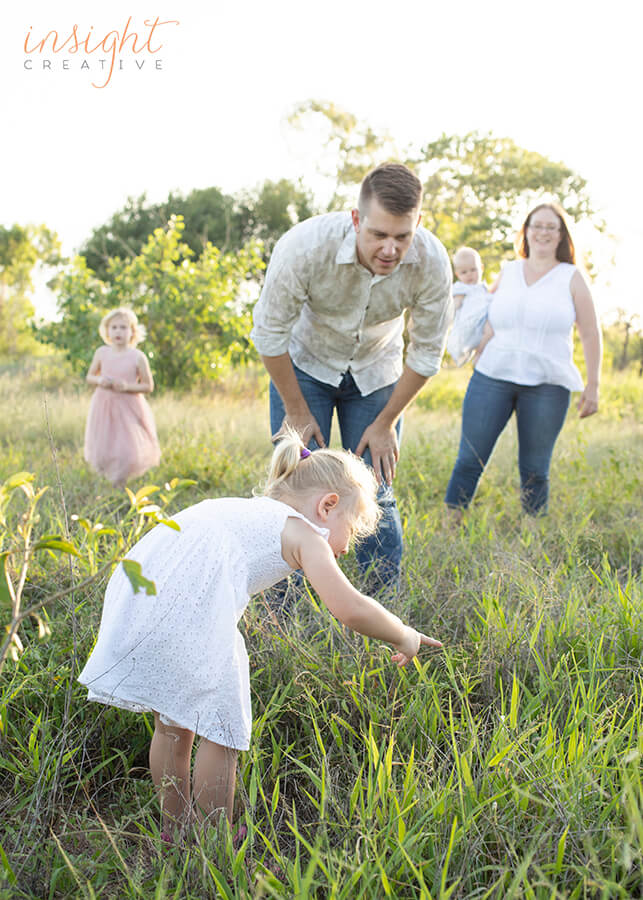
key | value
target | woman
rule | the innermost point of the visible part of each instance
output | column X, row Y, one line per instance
column 524, row 361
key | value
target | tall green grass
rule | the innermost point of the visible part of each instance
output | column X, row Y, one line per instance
column 509, row 765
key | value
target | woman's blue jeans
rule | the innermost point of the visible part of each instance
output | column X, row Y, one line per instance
column 381, row 553
column 488, row 404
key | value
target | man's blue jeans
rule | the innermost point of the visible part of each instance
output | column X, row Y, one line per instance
column 488, row 404
column 381, row 553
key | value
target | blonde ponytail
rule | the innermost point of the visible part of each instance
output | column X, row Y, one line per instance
column 285, row 459
column 295, row 472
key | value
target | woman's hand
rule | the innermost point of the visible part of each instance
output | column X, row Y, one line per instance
column 105, row 381
column 588, row 402
column 410, row 646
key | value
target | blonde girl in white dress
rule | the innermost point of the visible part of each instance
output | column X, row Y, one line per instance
column 179, row 653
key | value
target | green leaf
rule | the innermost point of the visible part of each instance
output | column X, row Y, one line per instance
column 55, row 542
column 6, row 865
column 560, row 852
column 177, row 484
column 500, row 755
column 515, row 697
column 146, row 491
column 138, row 581
column 18, row 480
column 6, row 592
column 169, row 522
column 219, row 881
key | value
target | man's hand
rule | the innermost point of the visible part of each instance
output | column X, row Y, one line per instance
column 385, row 451
column 305, row 425
column 298, row 415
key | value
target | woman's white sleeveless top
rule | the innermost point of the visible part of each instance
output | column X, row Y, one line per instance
column 532, row 324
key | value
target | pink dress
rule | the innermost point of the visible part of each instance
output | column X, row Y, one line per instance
column 120, row 436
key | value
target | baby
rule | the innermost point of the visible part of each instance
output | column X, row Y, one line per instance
column 471, row 301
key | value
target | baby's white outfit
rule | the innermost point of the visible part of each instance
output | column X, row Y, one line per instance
column 469, row 320
column 180, row 652
column 532, row 329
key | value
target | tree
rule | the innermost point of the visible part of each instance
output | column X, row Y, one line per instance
column 352, row 147
column 22, row 250
column 474, row 185
column 272, row 209
column 196, row 311
column 124, row 235
column 224, row 220
column 623, row 339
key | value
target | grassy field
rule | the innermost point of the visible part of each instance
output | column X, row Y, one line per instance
column 508, row 765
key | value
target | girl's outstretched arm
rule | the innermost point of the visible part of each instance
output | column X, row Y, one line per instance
column 355, row 610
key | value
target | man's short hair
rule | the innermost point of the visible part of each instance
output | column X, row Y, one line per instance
column 398, row 189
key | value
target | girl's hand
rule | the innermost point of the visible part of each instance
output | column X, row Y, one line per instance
column 105, row 381
column 120, row 386
column 411, row 645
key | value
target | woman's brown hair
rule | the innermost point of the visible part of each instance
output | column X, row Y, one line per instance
column 565, row 250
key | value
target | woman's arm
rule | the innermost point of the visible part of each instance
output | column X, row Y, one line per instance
column 358, row 612
column 590, row 335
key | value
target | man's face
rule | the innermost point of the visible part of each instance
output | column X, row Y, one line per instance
column 383, row 238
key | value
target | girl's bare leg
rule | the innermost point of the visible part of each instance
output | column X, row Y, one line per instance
column 170, row 753
column 213, row 780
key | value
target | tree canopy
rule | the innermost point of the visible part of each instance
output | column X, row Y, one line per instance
column 194, row 309
column 226, row 221
column 474, row 184
column 22, row 250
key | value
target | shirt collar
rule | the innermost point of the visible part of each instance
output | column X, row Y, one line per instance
column 347, row 252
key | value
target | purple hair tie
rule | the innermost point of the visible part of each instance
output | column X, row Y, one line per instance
column 304, row 453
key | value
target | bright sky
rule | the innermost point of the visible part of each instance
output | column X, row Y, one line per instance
column 559, row 78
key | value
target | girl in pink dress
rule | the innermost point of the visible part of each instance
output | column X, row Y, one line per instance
column 120, row 436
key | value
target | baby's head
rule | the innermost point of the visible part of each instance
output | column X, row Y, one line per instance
column 297, row 473
column 112, row 330
column 467, row 265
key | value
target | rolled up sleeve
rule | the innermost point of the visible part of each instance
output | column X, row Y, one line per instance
column 279, row 305
column 430, row 316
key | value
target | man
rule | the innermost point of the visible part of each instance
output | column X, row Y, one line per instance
column 329, row 328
